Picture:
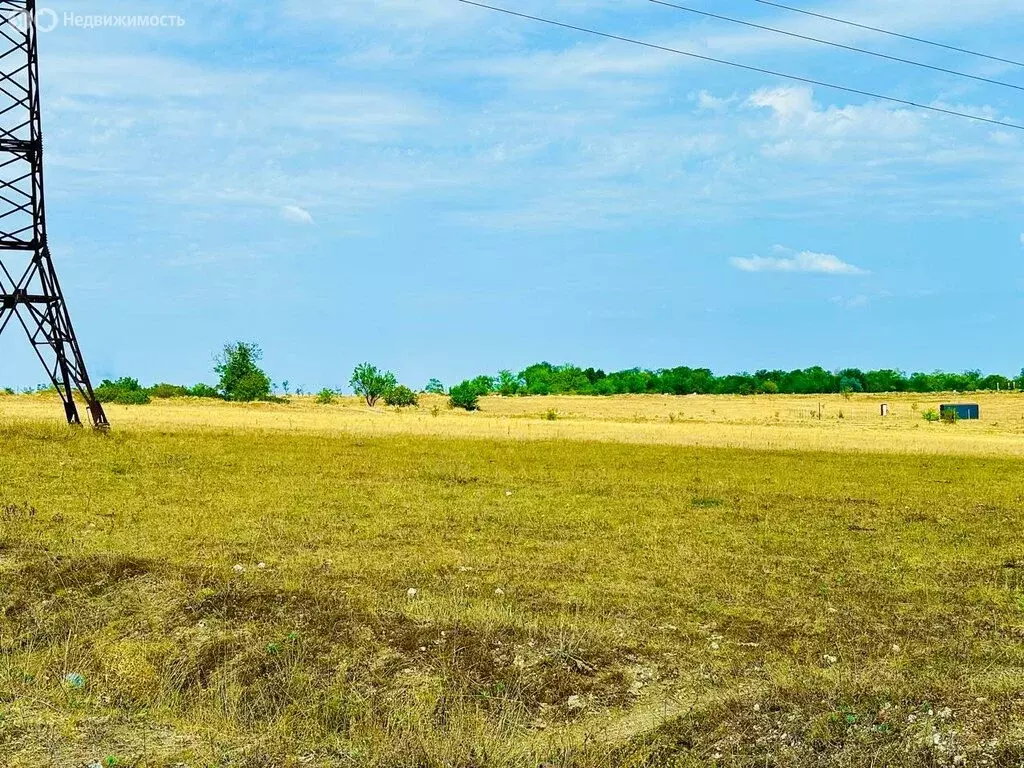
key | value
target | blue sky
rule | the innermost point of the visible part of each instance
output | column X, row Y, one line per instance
column 445, row 191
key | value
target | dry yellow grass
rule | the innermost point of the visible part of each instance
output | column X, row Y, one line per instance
column 765, row 422
column 232, row 584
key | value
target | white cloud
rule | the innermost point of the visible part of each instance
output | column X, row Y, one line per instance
column 804, row 262
column 297, row 215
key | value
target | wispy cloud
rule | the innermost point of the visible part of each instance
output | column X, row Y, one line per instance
column 805, row 262
column 297, row 215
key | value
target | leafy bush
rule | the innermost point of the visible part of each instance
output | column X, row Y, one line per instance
column 931, row 415
column 483, row 385
column 241, row 379
column 325, row 396
column 434, row 387
column 401, row 397
column 509, row 384
column 949, row 415
column 132, row 397
column 110, row 391
column 167, row 391
column 204, row 390
column 465, row 396
column 251, row 387
column 372, row 384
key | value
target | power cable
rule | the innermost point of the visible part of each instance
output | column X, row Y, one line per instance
column 748, row 67
column 890, row 33
column 845, row 47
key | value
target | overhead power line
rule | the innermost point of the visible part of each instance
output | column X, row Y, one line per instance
column 747, row 67
column 845, row 47
column 890, row 33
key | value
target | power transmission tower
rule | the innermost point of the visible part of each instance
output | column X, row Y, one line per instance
column 29, row 290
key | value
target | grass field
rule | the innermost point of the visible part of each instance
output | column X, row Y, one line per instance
column 554, row 581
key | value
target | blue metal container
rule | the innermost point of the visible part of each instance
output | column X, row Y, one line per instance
column 962, row 411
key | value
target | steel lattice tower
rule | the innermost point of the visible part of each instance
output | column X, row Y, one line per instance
column 29, row 289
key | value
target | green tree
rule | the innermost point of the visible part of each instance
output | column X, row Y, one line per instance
column 241, row 379
column 465, row 395
column 401, row 397
column 885, row 380
column 371, row 383
column 434, row 387
column 509, row 384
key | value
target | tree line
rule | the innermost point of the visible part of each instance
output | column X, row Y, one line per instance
column 548, row 379
column 242, row 379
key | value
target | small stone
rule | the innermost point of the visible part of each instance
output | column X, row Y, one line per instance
column 412, row 593
column 499, row 592
column 239, row 568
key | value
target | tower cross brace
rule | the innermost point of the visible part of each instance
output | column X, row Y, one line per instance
column 30, row 293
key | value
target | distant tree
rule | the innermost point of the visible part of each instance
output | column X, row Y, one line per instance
column 241, row 379
column 434, row 387
column 885, row 381
column 509, row 384
column 848, row 384
column 124, row 391
column 401, row 397
column 465, row 396
column 205, row 391
column 995, row 382
column 325, row 396
column 852, row 380
column 167, row 391
column 371, row 383
column 483, row 385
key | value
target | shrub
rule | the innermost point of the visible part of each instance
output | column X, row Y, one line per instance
column 325, row 396
column 931, row 415
column 465, row 396
column 949, row 416
column 204, row 390
column 510, row 384
column 109, row 391
column 483, row 385
column 434, row 387
column 372, row 384
column 401, row 397
column 167, row 391
column 132, row 397
column 251, row 387
column 241, row 379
